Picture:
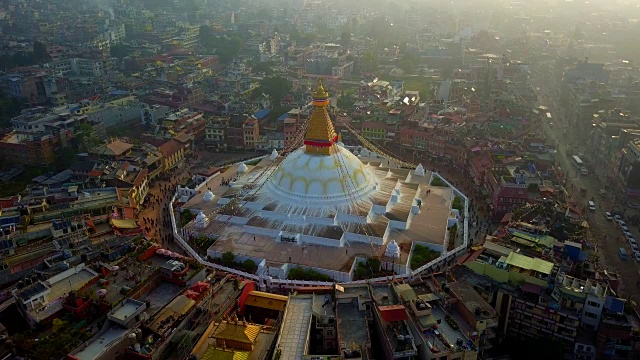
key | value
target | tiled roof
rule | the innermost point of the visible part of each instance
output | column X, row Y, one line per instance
column 116, row 147
column 240, row 332
column 515, row 193
column 266, row 300
column 142, row 174
column 170, row 147
column 183, row 137
column 213, row 353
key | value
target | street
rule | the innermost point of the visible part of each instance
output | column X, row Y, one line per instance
column 606, row 233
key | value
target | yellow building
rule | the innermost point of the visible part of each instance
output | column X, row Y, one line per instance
column 234, row 340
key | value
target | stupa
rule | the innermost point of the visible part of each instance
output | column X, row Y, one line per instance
column 322, row 195
column 208, row 196
column 321, row 172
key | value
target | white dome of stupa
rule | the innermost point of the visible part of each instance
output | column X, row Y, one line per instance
column 201, row 220
column 317, row 180
column 420, row 170
column 392, row 250
column 242, row 168
column 274, row 154
column 208, row 196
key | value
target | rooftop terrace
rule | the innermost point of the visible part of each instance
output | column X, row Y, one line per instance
column 293, row 340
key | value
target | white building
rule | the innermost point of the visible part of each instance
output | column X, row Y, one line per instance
column 342, row 70
column 79, row 67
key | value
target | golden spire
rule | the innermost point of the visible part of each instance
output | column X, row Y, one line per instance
column 320, row 135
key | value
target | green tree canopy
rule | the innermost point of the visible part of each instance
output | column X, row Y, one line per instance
column 225, row 47
column 265, row 67
column 40, row 52
column 120, row 51
column 370, row 61
column 276, row 87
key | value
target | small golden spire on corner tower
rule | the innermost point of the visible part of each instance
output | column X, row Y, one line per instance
column 320, row 135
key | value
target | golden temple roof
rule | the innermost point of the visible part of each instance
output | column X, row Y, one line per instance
column 240, row 332
column 321, row 134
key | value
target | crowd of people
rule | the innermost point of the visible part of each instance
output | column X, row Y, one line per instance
column 155, row 216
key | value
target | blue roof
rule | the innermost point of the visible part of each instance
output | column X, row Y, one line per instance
column 261, row 114
column 283, row 116
column 614, row 304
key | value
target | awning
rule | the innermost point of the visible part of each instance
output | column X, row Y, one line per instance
column 124, row 224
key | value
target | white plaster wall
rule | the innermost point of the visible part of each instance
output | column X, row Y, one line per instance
column 348, row 236
column 320, row 221
column 398, row 224
column 272, row 215
column 252, row 205
column 309, row 239
column 379, row 209
column 261, row 231
column 236, row 220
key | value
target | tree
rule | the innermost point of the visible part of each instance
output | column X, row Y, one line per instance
column 345, row 39
column 370, row 61
column 87, row 137
column 9, row 108
column 225, row 47
column 120, row 51
column 40, row 53
column 228, row 259
column 264, row 67
column 408, row 63
column 276, row 87
column 344, row 101
column 249, row 266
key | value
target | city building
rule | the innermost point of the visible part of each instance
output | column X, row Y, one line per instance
column 379, row 204
column 216, row 133
column 251, row 130
column 41, row 301
column 627, row 175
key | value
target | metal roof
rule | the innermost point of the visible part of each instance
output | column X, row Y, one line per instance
column 525, row 262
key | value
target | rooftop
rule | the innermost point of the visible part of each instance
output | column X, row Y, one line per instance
column 128, row 308
column 102, row 343
column 46, row 297
column 352, row 328
column 294, row 332
column 208, row 348
column 472, row 300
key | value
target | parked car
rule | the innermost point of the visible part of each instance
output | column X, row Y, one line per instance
column 629, row 236
column 633, row 205
column 617, row 217
column 623, row 225
column 636, row 256
column 608, row 216
column 632, row 242
column 635, row 247
column 624, row 228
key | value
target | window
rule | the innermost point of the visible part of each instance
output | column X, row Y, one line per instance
column 590, row 315
column 593, row 304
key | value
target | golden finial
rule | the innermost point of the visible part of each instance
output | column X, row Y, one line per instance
column 321, row 134
column 320, row 92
